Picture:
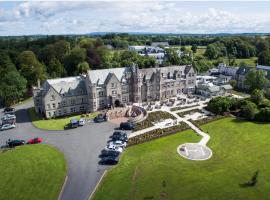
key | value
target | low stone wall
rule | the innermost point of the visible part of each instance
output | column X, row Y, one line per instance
column 117, row 113
column 142, row 114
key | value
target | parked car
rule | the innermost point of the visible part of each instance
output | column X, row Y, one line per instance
column 100, row 118
column 74, row 123
column 9, row 121
column 35, row 140
column 106, row 153
column 7, row 126
column 127, row 126
column 118, row 143
column 81, row 122
column 8, row 116
column 114, row 148
column 9, row 110
column 119, row 137
column 109, row 160
column 119, row 133
column 14, row 143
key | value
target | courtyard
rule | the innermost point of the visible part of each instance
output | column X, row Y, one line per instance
column 154, row 170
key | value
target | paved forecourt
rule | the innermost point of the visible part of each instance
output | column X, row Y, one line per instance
column 81, row 147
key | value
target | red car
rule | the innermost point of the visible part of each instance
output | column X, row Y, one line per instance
column 34, row 140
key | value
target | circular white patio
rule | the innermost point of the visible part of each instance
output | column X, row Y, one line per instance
column 194, row 151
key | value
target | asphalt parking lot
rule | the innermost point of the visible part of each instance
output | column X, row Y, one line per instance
column 81, row 147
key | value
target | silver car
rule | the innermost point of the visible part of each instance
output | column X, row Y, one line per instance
column 8, row 116
column 7, row 126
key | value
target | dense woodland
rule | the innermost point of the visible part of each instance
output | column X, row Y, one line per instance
column 24, row 60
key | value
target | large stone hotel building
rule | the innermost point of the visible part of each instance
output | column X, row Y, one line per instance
column 99, row 89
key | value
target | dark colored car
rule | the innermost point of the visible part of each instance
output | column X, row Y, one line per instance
column 74, row 123
column 14, row 143
column 9, row 110
column 106, row 153
column 109, row 160
column 119, row 133
column 127, row 126
column 123, row 138
column 100, row 118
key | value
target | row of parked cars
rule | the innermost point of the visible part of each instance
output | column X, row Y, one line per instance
column 13, row 143
column 9, row 119
column 116, row 145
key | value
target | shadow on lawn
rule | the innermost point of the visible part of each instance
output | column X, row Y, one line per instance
column 241, row 120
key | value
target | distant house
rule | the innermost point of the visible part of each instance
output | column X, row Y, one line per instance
column 158, row 44
column 227, row 70
column 136, row 48
column 266, row 69
column 241, row 77
column 211, row 90
column 205, row 79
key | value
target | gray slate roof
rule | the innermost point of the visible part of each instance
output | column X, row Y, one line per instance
column 99, row 76
column 67, row 86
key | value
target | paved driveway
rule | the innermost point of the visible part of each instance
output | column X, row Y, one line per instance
column 81, row 147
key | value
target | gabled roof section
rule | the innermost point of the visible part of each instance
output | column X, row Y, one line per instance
column 66, row 86
column 99, row 76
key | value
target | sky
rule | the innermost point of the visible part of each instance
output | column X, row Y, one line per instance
column 81, row 17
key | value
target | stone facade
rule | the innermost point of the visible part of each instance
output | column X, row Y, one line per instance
column 99, row 89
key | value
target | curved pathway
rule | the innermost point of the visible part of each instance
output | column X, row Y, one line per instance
column 81, row 147
column 193, row 151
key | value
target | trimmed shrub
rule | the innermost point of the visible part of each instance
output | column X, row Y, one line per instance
column 157, row 133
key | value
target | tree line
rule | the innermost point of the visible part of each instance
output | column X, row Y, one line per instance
column 24, row 60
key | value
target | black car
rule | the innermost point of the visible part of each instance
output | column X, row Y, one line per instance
column 100, row 118
column 106, row 153
column 9, row 110
column 14, row 143
column 109, row 160
column 127, row 126
column 119, row 133
column 123, row 138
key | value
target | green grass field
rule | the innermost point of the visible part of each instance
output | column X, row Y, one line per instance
column 35, row 172
column 54, row 124
column 154, row 170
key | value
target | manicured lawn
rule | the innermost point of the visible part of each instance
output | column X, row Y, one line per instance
column 154, row 170
column 54, row 124
column 32, row 172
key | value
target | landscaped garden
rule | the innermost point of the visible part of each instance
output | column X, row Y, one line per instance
column 154, row 170
column 31, row 172
column 57, row 123
column 153, row 117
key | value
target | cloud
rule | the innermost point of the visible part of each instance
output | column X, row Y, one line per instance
column 62, row 17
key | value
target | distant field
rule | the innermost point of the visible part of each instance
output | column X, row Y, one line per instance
column 35, row 172
column 154, row 170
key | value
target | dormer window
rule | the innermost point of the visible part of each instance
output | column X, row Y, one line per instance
column 52, row 98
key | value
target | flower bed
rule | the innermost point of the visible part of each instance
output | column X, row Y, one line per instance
column 182, row 114
column 157, row 133
column 153, row 116
column 182, row 108
column 200, row 122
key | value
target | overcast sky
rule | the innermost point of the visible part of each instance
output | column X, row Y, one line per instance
column 24, row 18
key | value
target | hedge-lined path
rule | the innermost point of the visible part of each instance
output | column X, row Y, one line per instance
column 196, row 151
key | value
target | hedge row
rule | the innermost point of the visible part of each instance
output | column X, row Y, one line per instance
column 182, row 108
column 182, row 114
column 153, row 116
column 157, row 133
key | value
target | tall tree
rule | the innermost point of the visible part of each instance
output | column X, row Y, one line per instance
column 31, row 68
column 12, row 86
column 256, row 79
